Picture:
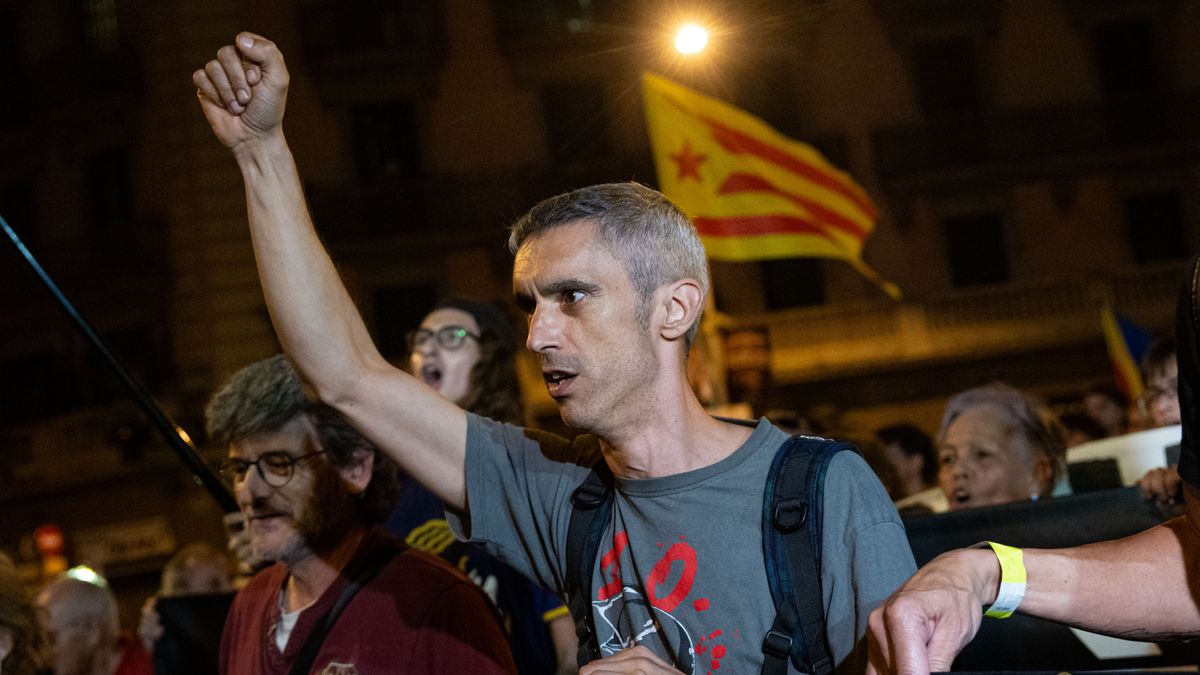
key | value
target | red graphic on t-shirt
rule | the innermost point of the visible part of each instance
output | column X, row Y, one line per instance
column 609, row 559
column 718, row 651
column 718, row 654
column 663, row 571
column 678, row 552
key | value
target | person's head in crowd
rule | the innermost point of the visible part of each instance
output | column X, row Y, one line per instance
column 911, row 452
column 998, row 445
column 878, row 460
column 82, row 627
column 466, row 350
column 1159, row 402
column 1104, row 404
column 197, row 569
column 795, row 422
column 21, row 643
column 1079, row 428
column 303, row 477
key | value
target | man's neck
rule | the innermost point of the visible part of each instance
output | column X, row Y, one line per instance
column 310, row 577
column 669, row 441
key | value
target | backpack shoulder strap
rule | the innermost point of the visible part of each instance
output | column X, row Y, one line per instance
column 591, row 509
column 792, row 519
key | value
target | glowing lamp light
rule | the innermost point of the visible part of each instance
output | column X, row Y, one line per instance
column 691, row 39
column 85, row 573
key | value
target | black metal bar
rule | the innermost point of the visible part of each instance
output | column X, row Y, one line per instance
column 172, row 433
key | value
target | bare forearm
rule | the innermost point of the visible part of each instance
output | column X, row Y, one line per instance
column 243, row 93
column 324, row 335
column 317, row 322
column 1134, row 587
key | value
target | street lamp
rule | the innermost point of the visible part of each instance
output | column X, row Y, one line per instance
column 691, row 39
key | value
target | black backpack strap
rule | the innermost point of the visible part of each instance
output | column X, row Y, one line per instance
column 592, row 506
column 368, row 570
column 792, row 518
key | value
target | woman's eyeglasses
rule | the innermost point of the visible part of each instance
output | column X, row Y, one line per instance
column 448, row 337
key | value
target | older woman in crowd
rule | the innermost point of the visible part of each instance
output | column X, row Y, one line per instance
column 998, row 445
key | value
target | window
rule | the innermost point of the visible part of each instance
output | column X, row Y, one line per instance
column 101, row 29
column 1125, row 55
column 793, row 282
column 976, row 250
column 399, row 309
column 386, row 146
column 1157, row 225
column 576, row 122
column 533, row 19
column 947, row 82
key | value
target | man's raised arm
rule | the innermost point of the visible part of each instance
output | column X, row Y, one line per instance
column 243, row 93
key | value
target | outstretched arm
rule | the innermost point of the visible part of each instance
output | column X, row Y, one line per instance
column 1136, row 587
column 243, row 93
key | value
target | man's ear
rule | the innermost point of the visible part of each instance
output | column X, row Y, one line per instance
column 683, row 301
column 357, row 474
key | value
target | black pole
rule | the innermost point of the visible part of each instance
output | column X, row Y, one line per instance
column 172, row 433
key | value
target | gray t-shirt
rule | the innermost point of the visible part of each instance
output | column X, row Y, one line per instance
column 681, row 570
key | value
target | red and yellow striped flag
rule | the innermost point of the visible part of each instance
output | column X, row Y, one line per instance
column 1126, row 342
column 753, row 193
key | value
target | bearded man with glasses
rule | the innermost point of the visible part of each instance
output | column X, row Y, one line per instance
column 342, row 595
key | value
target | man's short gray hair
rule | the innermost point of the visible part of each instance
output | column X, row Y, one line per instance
column 654, row 240
column 266, row 395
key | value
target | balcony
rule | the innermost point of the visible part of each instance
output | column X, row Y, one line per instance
column 828, row 342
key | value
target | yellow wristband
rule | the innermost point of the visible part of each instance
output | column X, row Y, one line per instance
column 1012, row 580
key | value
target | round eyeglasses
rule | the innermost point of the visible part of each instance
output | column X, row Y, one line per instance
column 448, row 337
column 276, row 468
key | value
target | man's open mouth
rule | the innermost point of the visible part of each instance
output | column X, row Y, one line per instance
column 557, row 381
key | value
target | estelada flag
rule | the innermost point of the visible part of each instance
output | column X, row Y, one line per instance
column 753, row 193
column 1126, row 342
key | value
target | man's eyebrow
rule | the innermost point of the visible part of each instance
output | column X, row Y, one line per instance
column 526, row 302
column 556, row 287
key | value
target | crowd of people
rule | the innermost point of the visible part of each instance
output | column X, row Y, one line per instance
column 398, row 518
